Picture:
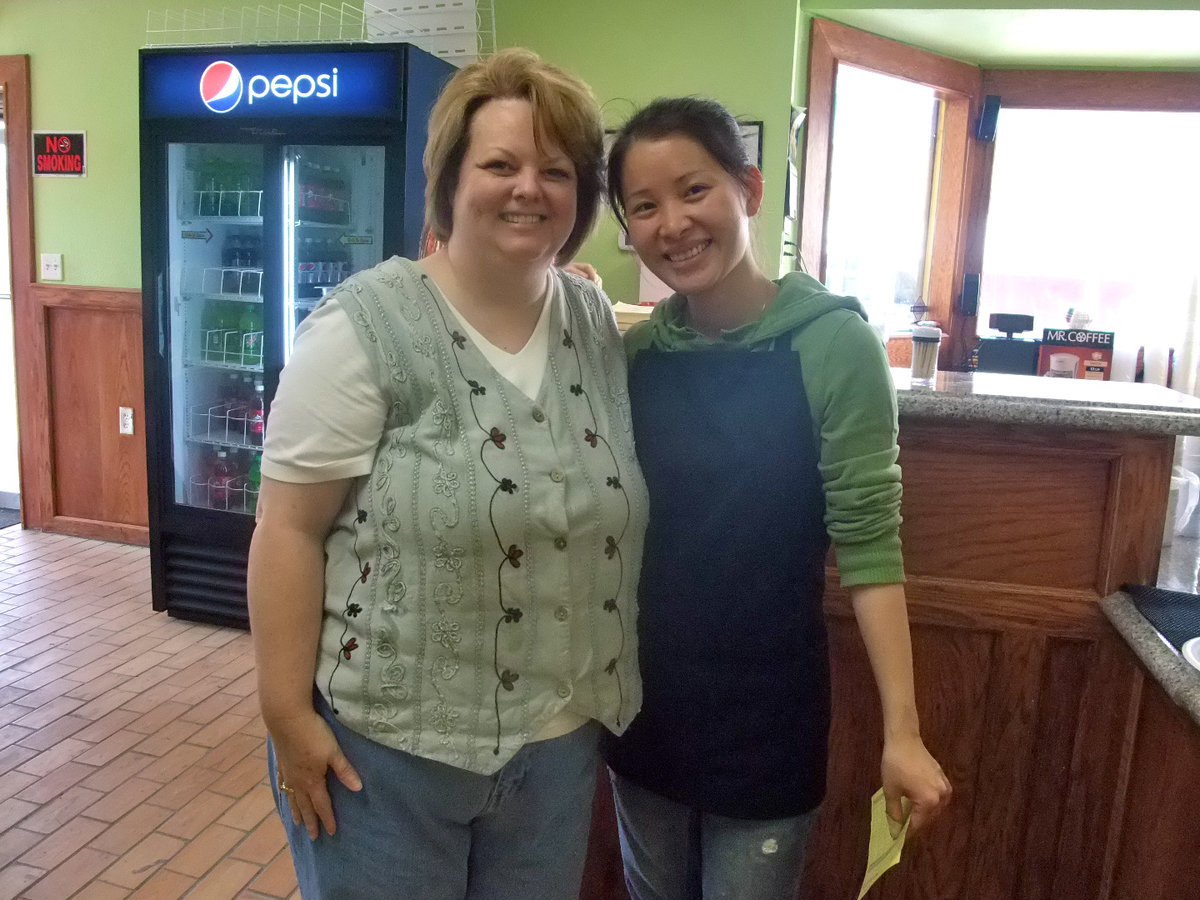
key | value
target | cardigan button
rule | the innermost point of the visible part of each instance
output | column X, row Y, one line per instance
column 562, row 614
column 557, row 476
column 560, row 543
column 538, row 415
column 564, row 691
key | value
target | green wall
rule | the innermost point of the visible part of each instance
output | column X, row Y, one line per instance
column 83, row 57
column 749, row 55
column 84, row 77
column 631, row 51
column 83, row 74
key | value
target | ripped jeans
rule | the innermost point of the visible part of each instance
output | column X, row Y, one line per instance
column 676, row 852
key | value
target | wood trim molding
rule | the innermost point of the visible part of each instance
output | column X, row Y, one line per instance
column 959, row 85
column 14, row 77
column 71, row 296
column 1095, row 89
column 102, row 531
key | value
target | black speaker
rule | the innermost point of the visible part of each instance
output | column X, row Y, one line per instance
column 968, row 303
column 985, row 128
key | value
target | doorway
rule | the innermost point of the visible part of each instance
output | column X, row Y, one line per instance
column 10, row 489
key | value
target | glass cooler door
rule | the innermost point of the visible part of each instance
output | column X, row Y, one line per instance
column 333, row 222
column 216, row 324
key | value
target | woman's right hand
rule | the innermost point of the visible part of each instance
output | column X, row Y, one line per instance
column 305, row 750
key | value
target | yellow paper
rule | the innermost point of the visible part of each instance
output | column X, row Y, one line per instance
column 887, row 839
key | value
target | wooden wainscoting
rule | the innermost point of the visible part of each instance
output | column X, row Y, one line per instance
column 82, row 360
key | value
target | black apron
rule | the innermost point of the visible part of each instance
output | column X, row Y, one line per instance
column 734, row 657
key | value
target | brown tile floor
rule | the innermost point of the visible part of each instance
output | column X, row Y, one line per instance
column 132, row 761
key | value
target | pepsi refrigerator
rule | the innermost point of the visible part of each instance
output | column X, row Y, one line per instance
column 268, row 175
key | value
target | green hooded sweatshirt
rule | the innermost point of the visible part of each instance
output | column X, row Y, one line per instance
column 853, row 403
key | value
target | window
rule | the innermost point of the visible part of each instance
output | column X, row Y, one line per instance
column 1124, row 176
column 934, row 196
column 1072, row 226
column 880, row 180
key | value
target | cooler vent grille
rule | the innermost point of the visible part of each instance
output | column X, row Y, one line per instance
column 205, row 583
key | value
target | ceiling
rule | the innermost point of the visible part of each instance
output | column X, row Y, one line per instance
column 1112, row 38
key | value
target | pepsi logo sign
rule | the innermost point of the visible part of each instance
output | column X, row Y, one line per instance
column 221, row 86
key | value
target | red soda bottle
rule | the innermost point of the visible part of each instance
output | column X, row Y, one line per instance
column 220, row 480
column 256, row 413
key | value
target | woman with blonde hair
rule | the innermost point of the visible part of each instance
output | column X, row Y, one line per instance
column 441, row 581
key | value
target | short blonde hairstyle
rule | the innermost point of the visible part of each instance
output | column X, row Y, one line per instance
column 564, row 111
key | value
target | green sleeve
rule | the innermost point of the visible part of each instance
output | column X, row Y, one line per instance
column 853, row 404
column 637, row 338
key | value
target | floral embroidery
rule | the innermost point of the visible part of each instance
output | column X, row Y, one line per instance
column 446, row 633
column 351, row 609
column 396, row 591
column 445, row 483
column 424, row 345
column 445, row 667
column 612, row 544
column 443, row 718
column 447, row 557
column 448, row 593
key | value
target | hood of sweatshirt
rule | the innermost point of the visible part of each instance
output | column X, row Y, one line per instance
column 801, row 300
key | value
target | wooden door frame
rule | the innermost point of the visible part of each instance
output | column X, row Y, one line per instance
column 959, row 86
column 34, row 440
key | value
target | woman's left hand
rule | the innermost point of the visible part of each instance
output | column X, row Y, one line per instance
column 910, row 771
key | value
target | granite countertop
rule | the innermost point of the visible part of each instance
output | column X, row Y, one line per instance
column 1030, row 400
column 1169, row 669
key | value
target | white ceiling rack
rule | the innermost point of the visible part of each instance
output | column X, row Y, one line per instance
column 458, row 31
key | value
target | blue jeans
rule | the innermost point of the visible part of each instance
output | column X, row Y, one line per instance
column 424, row 830
column 676, row 852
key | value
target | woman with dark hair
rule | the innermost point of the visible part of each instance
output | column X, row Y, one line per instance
column 442, row 577
column 765, row 422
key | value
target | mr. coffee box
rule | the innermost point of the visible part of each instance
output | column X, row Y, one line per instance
column 1076, row 353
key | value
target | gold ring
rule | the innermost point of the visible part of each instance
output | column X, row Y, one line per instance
column 283, row 786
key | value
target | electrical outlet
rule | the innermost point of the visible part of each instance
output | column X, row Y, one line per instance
column 52, row 267
column 126, row 419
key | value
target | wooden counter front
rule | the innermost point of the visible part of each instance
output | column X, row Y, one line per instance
column 1012, row 534
column 1028, row 696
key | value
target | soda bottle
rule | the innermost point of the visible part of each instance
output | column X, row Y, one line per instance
column 220, row 480
column 215, row 321
column 256, row 415
column 306, row 252
column 200, row 476
column 253, row 482
column 339, row 197
column 342, row 261
column 251, row 326
column 208, row 317
column 206, row 195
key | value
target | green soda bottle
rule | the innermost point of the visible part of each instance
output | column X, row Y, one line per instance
column 251, row 326
column 253, row 482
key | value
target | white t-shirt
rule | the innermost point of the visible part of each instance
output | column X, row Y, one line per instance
column 297, row 454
